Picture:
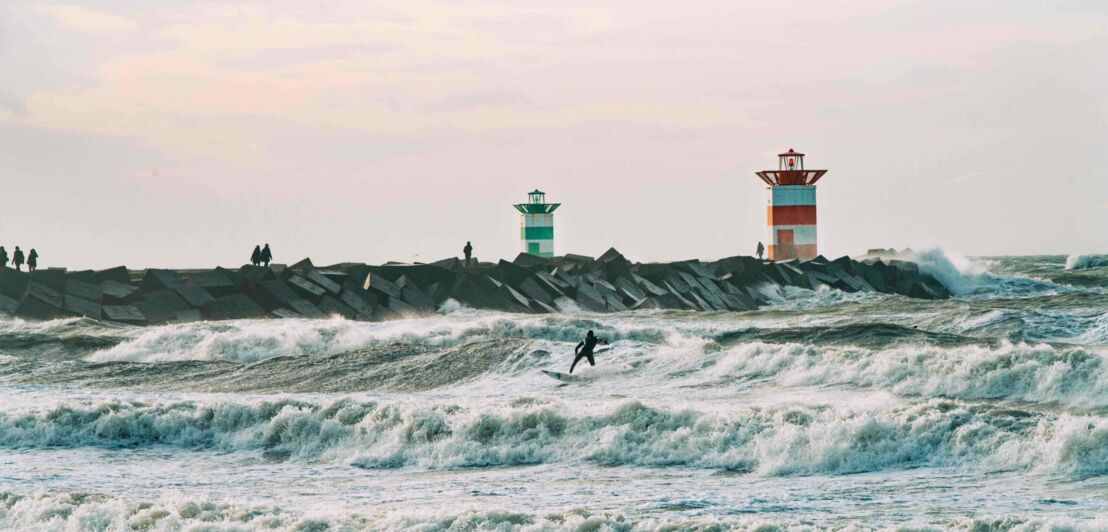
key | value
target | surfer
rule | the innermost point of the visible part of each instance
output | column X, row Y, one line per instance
column 584, row 349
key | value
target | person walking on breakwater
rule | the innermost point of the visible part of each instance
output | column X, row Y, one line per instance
column 267, row 255
column 17, row 258
column 32, row 260
column 584, row 349
column 468, row 251
column 761, row 249
column 256, row 256
column 3, row 258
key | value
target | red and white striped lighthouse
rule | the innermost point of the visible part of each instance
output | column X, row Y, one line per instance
column 791, row 212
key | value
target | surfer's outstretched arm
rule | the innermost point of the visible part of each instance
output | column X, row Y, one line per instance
column 577, row 349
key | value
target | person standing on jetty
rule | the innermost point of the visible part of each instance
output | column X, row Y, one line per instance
column 267, row 255
column 761, row 249
column 32, row 260
column 256, row 256
column 584, row 349
column 17, row 258
column 3, row 258
column 468, row 251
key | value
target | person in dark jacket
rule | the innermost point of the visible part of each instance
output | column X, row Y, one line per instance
column 760, row 250
column 17, row 258
column 267, row 255
column 468, row 250
column 32, row 260
column 584, row 349
column 3, row 258
column 256, row 256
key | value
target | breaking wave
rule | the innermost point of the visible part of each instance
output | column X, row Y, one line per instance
column 82, row 510
column 1081, row 262
column 764, row 441
column 964, row 277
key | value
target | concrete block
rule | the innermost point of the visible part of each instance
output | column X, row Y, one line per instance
column 157, row 279
column 589, row 299
column 307, row 289
column 161, row 306
column 317, row 277
column 188, row 316
column 648, row 286
column 615, row 304
column 81, row 306
column 40, row 303
column 375, row 283
column 53, row 278
column 251, row 276
column 119, row 274
column 7, row 305
column 413, row 296
column 218, row 282
column 233, row 307
column 532, row 262
column 83, row 276
column 307, row 310
column 91, row 292
column 508, row 273
column 516, row 297
column 117, row 293
column 359, row 300
column 338, row 277
column 302, row 267
column 124, row 314
column 534, row 289
column 629, row 290
column 677, row 285
column 13, row 283
column 542, row 308
column 195, row 296
column 330, row 306
column 285, row 313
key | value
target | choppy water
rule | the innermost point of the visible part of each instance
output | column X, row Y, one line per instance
column 825, row 411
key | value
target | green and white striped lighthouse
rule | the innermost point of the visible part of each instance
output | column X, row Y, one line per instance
column 537, row 224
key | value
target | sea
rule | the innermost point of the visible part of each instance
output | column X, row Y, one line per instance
column 821, row 411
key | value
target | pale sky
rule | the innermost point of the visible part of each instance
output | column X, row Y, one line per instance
column 180, row 134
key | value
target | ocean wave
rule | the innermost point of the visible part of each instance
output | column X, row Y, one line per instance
column 773, row 441
column 82, row 510
column 256, row 340
column 964, row 277
column 1081, row 262
column 1038, row 373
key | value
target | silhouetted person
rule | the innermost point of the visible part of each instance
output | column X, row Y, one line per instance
column 17, row 258
column 584, row 349
column 3, row 258
column 761, row 249
column 468, row 250
column 32, row 260
column 256, row 256
column 267, row 255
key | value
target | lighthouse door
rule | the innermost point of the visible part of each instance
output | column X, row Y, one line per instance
column 785, row 248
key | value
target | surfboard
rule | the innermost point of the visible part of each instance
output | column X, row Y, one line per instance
column 564, row 377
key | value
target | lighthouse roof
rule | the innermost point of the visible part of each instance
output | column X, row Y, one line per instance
column 790, row 152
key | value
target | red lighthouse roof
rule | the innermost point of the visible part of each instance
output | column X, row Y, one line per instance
column 790, row 171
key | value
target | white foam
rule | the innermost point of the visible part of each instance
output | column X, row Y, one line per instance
column 1081, row 262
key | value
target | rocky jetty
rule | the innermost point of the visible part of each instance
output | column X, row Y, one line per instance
column 529, row 284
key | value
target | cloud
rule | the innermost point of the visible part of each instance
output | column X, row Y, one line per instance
column 83, row 19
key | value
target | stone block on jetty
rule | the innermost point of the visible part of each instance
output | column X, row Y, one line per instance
column 40, row 303
column 195, row 296
column 81, row 306
column 83, row 276
column 414, row 297
column 325, row 282
column 13, row 283
column 91, row 292
column 274, row 294
column 307, row 289
column 116, row 293
column 358, row 299
column 119, row 274
column 161, row 306
column 250, row 276
column 330, row 306
column 218, row 282
column 7, row 305
column 124, row 314
column 157, row 279
column 306, row 309
column 377, row 284
column 233, row 307
column 53, row 278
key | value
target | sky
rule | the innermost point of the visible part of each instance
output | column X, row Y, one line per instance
column 180, row 134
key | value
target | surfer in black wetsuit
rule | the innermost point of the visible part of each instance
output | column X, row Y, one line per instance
column 584, row 349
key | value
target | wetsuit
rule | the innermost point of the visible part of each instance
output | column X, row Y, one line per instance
column 584, row 350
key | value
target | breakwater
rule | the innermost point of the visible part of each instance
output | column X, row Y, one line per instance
column 528, row 284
